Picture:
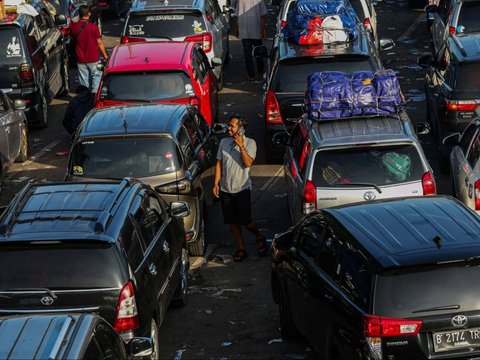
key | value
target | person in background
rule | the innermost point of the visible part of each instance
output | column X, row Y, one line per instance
column 88, row 41
column 232, row 184
column 77, row 108
column 250, row 28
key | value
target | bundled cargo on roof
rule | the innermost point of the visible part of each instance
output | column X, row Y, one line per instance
column 334, row 94
column 313, row 22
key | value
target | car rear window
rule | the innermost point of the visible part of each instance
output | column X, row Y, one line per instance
column 68, row 264
column 469, row 15
column 412, row 292
column 107, row 158
column 10, row 44
column 379, row 165
column 147, row 86
column 291, row 75
column 468, row 77
column 165, row 25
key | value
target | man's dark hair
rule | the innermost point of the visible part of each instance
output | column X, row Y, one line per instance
column 83, row 11
column 242, row 119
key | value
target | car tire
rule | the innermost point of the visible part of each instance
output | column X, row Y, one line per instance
column 23, row 155
column 198, row 247
column 155, row 340
column 180, row 296
column 288, row 329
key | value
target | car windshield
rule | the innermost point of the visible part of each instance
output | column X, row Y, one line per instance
column 379, row 165
column 468, row 17
column 401, row 293
column 66, row 264
column 291, row 75
column 107, row 158
column 146, row 86
column 163, row 25
column 468, row 77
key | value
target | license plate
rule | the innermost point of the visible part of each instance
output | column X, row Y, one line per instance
column 449, row 340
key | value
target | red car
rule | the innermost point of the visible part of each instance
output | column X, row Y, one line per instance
column 160, row 72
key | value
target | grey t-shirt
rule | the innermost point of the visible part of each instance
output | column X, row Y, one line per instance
column 249, row 13
column 235, row 175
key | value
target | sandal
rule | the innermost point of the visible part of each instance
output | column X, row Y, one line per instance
column 240, row 255
column 262, row 246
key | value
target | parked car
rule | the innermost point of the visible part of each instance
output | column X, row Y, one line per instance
column 82, row 336
column 288, row 67
column 169, row 147
column 160, row 72
column 34, row 66
column 110, row 247
column 13, row 134
column 453, row 17
column 382, row 280
column 336, row 162
column 200, row 21
column 451, row 84
column 114, row 8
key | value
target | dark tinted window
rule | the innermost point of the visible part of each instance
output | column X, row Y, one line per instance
column 406, row 293
column 378, row 165
column 291, row 75
column 467, row 137
column 150, row 220
column 147, row 86
column 132, row 243
column 356, row 275
column 474, row 152
column 165, row 25
column 66, row 265
column 469, row 16
column 312, row 239
column 92, row 352
column 108, row 158
column 468, row 77
column 10, row 42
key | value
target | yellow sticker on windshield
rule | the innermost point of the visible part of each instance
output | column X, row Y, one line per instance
column 77, row 170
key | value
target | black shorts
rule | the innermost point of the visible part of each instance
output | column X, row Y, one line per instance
column 236, row 207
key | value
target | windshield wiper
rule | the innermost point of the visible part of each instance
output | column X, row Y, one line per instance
column 437, row 308
column 361, row 184
column 48, row 291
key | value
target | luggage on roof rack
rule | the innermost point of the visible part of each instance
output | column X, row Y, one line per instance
column 334, row 94
column 313, row 22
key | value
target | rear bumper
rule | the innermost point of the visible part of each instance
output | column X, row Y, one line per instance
column 457, row 121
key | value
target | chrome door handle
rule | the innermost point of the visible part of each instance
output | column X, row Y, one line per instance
column 153, row 269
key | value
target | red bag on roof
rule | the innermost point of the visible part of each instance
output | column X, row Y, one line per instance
column 314, row 34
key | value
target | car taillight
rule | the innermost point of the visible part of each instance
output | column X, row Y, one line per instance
column 428, row 184
column 273, row 115
column 26, row 74
column 477, row 194
column 452, row 30
column 309, row 197
column 283, row 23
column 204, row 39
column 461, row 105
column 129, row 39
column 126, row 318
column 376, row 327
column 368, row 25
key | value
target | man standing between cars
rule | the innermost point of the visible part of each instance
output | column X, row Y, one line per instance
column 250, row 28
column 88, row 40
column 232, row 185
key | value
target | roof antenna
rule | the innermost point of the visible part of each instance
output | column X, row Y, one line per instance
column 438, row 241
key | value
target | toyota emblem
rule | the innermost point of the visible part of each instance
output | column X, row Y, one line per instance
column 369, row 195
column 459, row 320
column 46, row 300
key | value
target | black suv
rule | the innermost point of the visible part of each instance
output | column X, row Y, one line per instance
column 382, row 280
column 34, row 63
column 452, row 84
column 82, row 336
column 290, row 64
column 113, row 248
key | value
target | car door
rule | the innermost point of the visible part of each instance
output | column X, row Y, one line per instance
column 439, row 24
column 459, row 159
column 207, row 84
column 12, row 127
column 215, row 27
column 222, row 24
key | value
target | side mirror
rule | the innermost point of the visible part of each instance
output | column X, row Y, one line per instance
column 425, row 61
column 260, row 51
column 283, row 241
column 386, row 44
column 60, row 20
column 216, row 61
column 19, row 104
column 451, row 140
column 281, row 138
column 422, row 128
column 140, row 347
column 220, row 128
column 179, row 209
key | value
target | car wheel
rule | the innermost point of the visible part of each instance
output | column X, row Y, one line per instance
column 23, row 155
column 44, row 111
column 198, row 247
column 180, row 296
column 288, row 329
column 65, row 78
column 155, row 340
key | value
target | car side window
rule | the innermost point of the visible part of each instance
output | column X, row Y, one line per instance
column 192, row 131
column 301, row 147
column 356, row 275
column 109, row 343
column 185, row 145
column 467, row 136
column 201, row 125
column 474, row 152
column 151, row 220
column 199, row 70
column 311, row 243
column 93, row 351
column 132, row 244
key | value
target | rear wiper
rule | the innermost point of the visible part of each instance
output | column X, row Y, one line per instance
column 362, row 184
column 437, row 308
column 48, row 291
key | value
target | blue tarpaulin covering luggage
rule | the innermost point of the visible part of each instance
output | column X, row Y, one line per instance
column 333, row 94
